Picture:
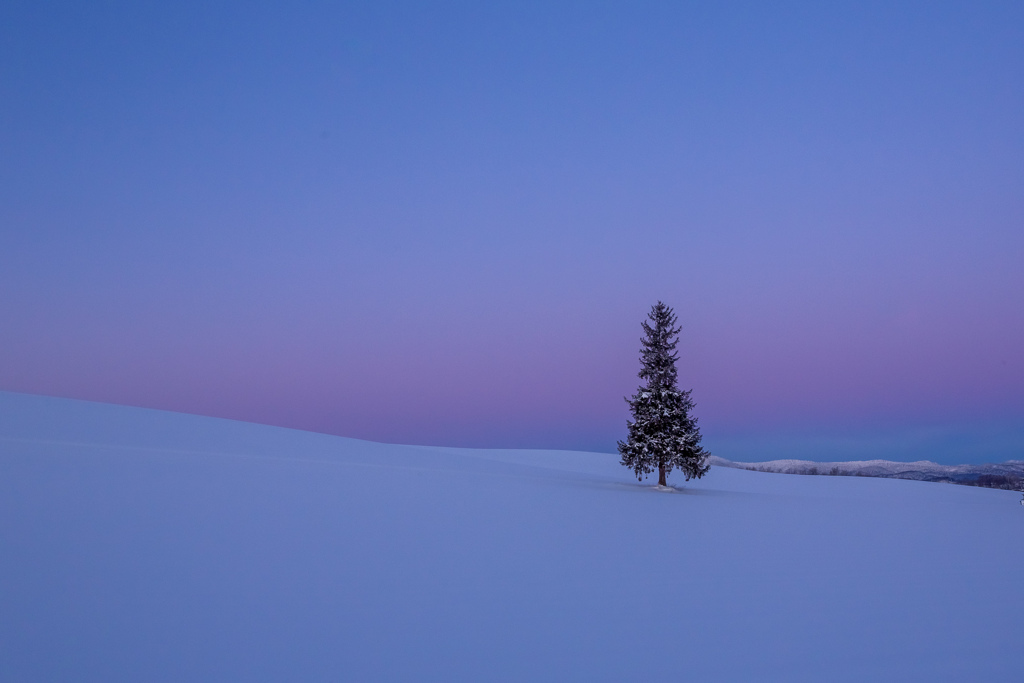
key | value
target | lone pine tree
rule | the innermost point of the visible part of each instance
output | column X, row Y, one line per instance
column 663, row 433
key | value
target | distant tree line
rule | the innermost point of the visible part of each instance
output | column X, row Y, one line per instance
column 1006, row 482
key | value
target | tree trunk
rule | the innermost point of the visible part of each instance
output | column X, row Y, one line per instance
column 661, row 475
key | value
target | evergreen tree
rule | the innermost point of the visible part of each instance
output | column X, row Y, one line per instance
column 663, row 433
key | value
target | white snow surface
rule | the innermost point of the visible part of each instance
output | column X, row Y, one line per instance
column 139, row 545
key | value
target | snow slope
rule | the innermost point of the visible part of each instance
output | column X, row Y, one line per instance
column 137, row 545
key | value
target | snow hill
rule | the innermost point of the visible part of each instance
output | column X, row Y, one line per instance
column 1007, row 475
column 139, row 545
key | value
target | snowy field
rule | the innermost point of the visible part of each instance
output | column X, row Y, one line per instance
column 137, row 545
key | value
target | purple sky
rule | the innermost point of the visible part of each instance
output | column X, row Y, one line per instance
column 444, row 224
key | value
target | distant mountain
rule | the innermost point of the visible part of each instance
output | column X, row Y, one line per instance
column 1007, row 475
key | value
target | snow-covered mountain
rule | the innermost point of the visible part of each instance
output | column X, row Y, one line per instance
column 138, row 545
column 1007, row 475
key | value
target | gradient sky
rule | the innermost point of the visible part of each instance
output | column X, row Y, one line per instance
column 443, row 223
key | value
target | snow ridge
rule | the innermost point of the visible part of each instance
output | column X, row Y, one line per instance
column 1007, row 475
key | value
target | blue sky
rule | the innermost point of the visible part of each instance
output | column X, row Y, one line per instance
column 443, row 223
